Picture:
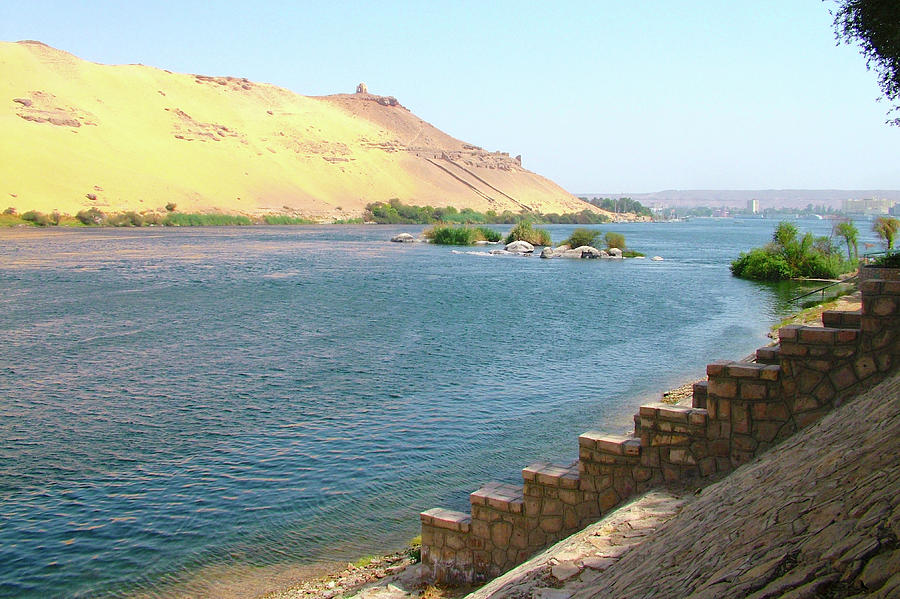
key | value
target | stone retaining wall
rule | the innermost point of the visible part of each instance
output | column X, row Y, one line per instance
column 741, row 410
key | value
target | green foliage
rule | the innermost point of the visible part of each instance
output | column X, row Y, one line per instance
column 622, row 205
column 523, row 231
column 445, row 235
column 875, row 25
column 395, row 212
column 848, row 231
column 632, row 254
column 451, row 235
column 281, row 219
column 178, row 219
column 488, row 234
column 887, row 261
column 36, row 218
column 10, row 211
column 585, row 217
column 761, row 265
column 614, row 240
column 582, row 236
column 790, row 256
column 886, row 229
column 90, row 217
column 348, row 221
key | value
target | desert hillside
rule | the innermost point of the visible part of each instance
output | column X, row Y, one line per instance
column 78, row 134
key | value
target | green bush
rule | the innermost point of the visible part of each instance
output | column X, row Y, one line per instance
column 451, row 235
column 90, row 217
column 178, row 219
column 10, row 211
column 581, row 236
column 615, row 240
column 36, row 218
column 523, row 231
column 488, row 234
column 887, row 261
column 760, row 265
column 280, row 219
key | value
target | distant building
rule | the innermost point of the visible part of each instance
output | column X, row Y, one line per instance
column 869, row 206
column 753, row 206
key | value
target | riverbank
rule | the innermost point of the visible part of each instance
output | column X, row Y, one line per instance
column 581, row 557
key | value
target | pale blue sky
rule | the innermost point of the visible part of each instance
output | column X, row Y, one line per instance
column 601, row 96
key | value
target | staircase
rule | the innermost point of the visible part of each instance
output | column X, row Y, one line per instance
column 740, row 411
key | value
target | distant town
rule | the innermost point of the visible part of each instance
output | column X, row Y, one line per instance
column 770, row 204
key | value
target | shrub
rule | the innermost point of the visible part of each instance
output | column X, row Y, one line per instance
column 887, row 261
column 91, row 217
column 36, row 218
column 523, row 231
column 178, row 219
column 125, row 219
column 761, row 265
column 487, row 234
column 886, row 228
column 10, row 211
column 281, row 219
column 615, row 240
column 582, row 236
column 451, row 235
column 170, row 207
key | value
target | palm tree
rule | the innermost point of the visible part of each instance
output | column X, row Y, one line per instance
column 886, row 227
column 850, row 233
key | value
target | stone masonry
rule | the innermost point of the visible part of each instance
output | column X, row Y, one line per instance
column 743, row 409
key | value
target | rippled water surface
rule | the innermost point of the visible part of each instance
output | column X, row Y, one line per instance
column 179, row 404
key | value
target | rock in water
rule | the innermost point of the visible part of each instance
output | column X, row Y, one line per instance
column 520, row 247
column 615, row 253
column 403, row 238
column 657, row 258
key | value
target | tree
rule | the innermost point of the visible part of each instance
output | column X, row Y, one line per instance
column 875, row 25
column 886, row 228
column 850, row 233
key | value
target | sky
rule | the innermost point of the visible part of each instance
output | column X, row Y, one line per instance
column 600, row 96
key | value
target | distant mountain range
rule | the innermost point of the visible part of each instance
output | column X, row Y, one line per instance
column 768, row 198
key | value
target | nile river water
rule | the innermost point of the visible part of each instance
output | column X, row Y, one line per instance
column 180, row 407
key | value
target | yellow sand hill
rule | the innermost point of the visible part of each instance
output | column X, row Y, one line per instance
column 77, row 134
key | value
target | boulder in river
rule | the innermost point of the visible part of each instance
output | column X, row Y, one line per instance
column 657, row 258
column 615, row 253
column 520, row 247
column 403, row 238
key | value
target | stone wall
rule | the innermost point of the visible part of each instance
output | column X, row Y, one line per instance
column 741, row 410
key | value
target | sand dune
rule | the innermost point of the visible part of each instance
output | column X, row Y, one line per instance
column 78, row 134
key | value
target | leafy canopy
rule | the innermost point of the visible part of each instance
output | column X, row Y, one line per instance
column 875, row 25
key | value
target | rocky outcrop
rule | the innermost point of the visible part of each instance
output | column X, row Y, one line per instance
column 403, row 238
column 581, row 252
column 362, row 88
column 520, row 247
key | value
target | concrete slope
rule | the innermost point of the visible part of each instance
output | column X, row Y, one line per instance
column 817, row 516
column 78, row 134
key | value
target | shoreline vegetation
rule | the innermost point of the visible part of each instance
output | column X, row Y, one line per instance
column 399, row 567
column 393, row 212
column 792, row 256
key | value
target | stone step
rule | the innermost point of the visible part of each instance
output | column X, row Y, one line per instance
column 617, row 445
column 796, row 339
column 770, row 354
column 841, row 319
column 449, row 519
column 552, row 475
column 502, row 497
column 700, row 393
column 744, row 370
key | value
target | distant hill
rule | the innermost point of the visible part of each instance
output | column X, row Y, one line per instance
column 768, row 198
column 78, row 134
